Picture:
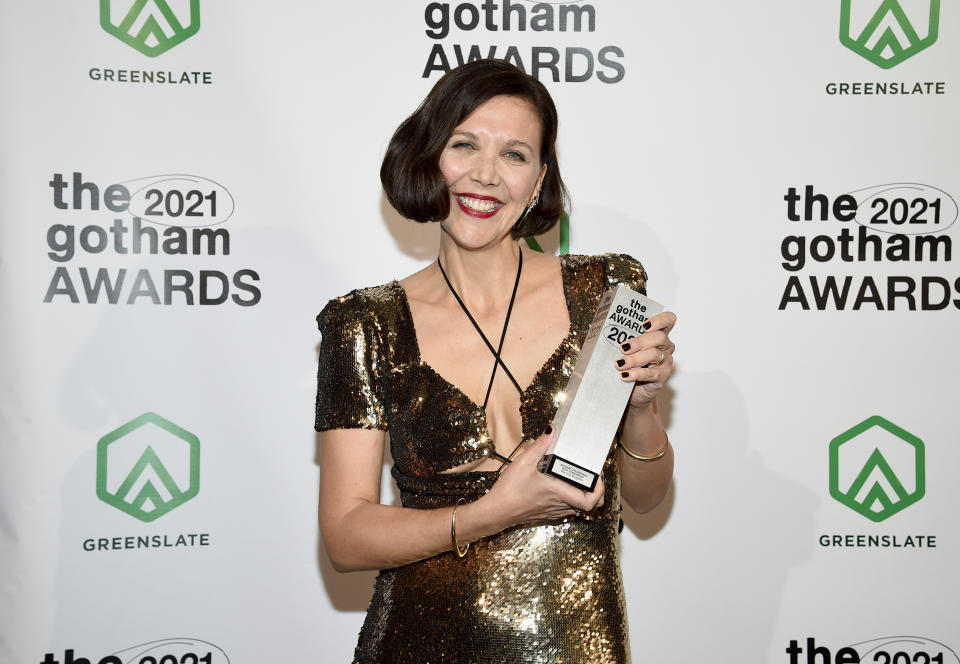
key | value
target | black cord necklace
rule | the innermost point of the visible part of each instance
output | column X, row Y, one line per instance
column 498, row 361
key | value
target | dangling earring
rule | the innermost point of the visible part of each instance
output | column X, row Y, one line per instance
column 529, row 208
column 533, row 203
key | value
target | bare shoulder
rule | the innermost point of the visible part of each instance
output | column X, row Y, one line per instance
column 543, row 269
column 540, row 260
column 423, row 286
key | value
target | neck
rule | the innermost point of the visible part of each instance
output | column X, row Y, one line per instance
column 481, row 276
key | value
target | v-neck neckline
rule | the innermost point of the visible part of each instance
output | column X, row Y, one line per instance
column 408, row 320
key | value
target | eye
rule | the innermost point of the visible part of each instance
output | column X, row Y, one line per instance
column 463, row 145
column 516, row 156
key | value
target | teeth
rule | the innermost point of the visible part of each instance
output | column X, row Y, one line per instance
column 476, row 204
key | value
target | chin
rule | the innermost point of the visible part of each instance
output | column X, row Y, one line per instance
column 475, row 234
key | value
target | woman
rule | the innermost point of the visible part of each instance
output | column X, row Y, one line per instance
column 488, row 560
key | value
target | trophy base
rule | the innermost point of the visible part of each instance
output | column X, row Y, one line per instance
column 569, row 472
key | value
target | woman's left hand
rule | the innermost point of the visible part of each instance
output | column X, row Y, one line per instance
column 648, row 359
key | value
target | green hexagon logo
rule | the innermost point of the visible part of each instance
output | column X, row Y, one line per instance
column 884, row 34
column 150, row 26
column 148, row 467
column 877, row 469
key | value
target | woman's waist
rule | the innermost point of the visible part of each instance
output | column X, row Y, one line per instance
column 545, row 550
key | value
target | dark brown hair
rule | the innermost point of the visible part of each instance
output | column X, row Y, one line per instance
column 410, row 172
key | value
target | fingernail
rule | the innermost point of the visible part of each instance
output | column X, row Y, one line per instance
column 625, row 347
column 549, row 429
column 647, row 325
column 624, row 374
column 620, row 363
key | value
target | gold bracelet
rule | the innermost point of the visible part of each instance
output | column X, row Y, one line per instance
column 640, row 457
column 453, row 532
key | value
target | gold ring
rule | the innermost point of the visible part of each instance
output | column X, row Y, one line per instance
column 660, row 360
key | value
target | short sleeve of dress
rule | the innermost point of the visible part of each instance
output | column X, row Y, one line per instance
column 350, row 372
column 626, row 270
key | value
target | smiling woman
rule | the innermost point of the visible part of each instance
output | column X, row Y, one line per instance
column 492, row 151
column 411, row 171
column 463, row 364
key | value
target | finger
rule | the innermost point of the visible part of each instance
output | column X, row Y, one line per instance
column 662, row 322
column 645, row 340
column 638, row 345
column 654, row 357
column 651, row 357
column 596, row 496
column 549, row 433
column 537, row 447
column 665, row 320
column 577, row 498
column 648, row 374
column 592, row 499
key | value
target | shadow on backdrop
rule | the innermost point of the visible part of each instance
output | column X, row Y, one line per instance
column 736, row 529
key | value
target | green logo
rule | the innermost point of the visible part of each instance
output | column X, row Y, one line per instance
column 888, row 37
column 862, row 463
column 150, row 26
column 148, row 467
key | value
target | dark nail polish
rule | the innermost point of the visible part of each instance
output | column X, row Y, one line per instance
column 620, row 363
column 625, row 347
column 549, row 429
column 624, row 374
column 647, row 325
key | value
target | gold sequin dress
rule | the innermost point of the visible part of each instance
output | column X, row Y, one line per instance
column 545, row 593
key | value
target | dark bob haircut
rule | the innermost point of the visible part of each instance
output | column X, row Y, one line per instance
column 410, row 172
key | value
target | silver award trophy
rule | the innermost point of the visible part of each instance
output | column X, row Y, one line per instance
column 592, row 404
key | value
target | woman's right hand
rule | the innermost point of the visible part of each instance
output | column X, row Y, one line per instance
column 522, row 493
column 360, row 533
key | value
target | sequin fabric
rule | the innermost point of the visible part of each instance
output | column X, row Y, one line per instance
column 546, row 593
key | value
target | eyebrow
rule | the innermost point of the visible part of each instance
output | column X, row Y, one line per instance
column 518, row 143
column 513, row 142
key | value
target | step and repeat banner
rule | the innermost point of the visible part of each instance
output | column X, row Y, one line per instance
column 185, row 183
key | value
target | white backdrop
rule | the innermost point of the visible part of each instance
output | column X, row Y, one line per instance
column 278, row 118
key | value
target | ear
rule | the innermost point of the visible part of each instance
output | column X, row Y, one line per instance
column 536, row 189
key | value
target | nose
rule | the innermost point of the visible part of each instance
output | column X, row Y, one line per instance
column 485, row 169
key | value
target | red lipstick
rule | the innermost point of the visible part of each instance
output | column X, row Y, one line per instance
column 479, row 214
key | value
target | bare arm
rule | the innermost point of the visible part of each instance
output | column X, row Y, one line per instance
column 648, row 362
column 644, row 483
column 360, row 533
